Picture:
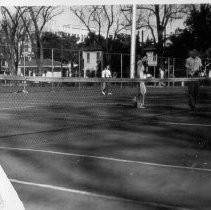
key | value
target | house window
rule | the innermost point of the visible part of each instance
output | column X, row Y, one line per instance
column 88, row 57
column 98, row 56
column 26, row 48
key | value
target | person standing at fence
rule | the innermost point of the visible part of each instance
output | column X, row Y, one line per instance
column 140, row 100
column 161, row 74
column 193, row 67
column 106, row 73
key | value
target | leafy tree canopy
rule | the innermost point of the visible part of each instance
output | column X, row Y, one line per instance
column 196, row 35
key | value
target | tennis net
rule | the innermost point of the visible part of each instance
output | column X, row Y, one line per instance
column 19, row 81
column 89, row 90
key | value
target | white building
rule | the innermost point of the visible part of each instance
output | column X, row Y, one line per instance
column 91, row 57
column 49, row 68
column 78, row 31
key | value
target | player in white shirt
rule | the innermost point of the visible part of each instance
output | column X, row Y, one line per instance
column 140, row 99
column 193, row 67
column 106, row 73
column 161, row 74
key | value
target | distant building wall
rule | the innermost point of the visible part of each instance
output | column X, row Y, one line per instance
column 90, row 60
column 77, row 31
column 52, row 74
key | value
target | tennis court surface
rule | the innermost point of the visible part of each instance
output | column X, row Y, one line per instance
column 76, row 149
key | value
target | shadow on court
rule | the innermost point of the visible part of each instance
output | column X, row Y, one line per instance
column 70, row 146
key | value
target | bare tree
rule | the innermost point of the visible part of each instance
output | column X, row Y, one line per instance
column 39, row 17
column 106, row 20
column 155, row 18
column 14, row 32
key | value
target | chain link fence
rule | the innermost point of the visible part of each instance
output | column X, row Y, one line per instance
column 84, row 63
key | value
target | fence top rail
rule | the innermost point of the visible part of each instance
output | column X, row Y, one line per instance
column 93, row 80
column 45, row 66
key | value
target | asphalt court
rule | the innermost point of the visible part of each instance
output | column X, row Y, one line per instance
column 73, row 149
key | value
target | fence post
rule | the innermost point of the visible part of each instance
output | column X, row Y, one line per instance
column 24, row 63
column 173, row 69
column 182, row 83
column 52, row 69
column 79, row 68
column 102, row 67
column 168, row 70
column 154, row 71
column 24, row 70
column 121, row 68
column 52, row 57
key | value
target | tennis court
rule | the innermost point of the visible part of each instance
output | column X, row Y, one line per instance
column 77, row 149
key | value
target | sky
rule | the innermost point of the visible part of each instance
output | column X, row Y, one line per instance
column 67, row 18
column 95, row 2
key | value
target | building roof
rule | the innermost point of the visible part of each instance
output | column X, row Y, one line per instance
column 92, row 48
column 45, row 63
column 150, row 48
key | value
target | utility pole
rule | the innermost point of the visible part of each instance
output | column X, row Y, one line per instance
column 133, row 44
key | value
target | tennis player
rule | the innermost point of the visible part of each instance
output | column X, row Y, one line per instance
column 161, row 74
column 193, row 67
column 106, row 73
column 142, row 88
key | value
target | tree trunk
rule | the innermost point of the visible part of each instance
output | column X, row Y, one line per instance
column 12, row 66
column 160, row 40
column 16, row 67
column 11, row 62
column 39, row 57
column 107, row 57
column 160, row 30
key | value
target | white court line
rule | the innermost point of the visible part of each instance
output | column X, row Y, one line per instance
column 108, row 159
column 13, row 108
column 186, row 124
column 57, row 104
column 96, row 195
column 129, row 121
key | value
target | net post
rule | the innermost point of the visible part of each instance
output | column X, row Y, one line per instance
column 133, row 44
column 121, row 68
